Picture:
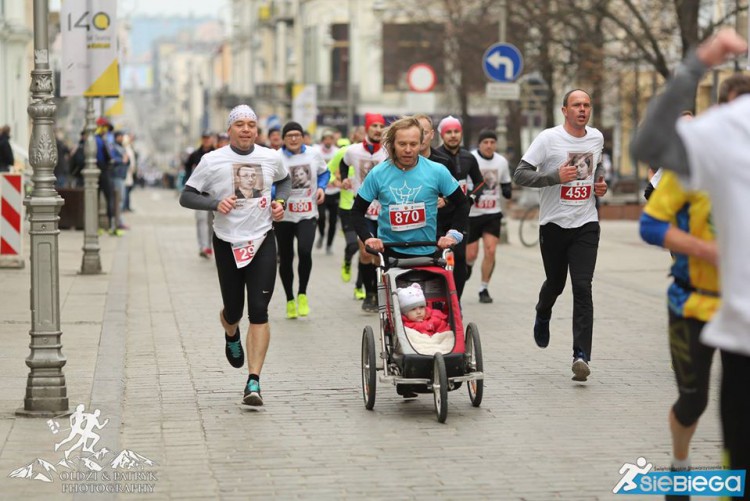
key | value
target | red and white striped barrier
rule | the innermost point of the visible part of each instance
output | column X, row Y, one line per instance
column 11, row 210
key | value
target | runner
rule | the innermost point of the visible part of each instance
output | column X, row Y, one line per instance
column 464, row 166
column 486, row 213
column 327, row 150
column 202, row 218
column 680, row 221
column 713, row 150
column 408, row 186
column 568, row 220
column 309, row 179
column 244, row 244
column 362, row 157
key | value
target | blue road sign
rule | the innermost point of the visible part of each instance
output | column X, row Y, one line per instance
column 502, row 62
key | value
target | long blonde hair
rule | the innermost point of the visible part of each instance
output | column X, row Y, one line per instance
column 389, row 135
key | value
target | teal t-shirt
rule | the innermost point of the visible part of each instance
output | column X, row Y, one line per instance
column 409, row 201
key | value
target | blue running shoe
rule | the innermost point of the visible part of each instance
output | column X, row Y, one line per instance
column 541, row 332
column 252, row 393
column 234, row 352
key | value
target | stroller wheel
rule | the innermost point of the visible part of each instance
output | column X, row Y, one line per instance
column 440, row 387
column 369, row 377
column 474, row 364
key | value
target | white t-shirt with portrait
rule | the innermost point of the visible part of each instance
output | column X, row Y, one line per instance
column 717, row 147
column 223, row 172
column 495, row 172
column 359, row 157
column 569, row 205
column 304, row 169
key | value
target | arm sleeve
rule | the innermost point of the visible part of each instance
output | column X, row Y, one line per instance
column 653, row 230
column 507, row 190
column 323, row 179
column 528, row 175
column 283, row 188
column 193, row 199
column 476, row 178
column 460, row 216
column 359, row 209
column 656, row 141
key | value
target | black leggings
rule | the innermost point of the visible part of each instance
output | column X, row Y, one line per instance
column 691, row 360
column 305, row 233
column 258, row 277
column 331, row 205
column 735, row 411
column 574, row 249
column 350, row 236
column 105, row 186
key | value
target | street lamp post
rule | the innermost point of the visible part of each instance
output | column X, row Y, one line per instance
column 46, row 394
column 91, row 263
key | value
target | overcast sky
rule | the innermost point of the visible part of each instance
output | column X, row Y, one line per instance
column 198, row 8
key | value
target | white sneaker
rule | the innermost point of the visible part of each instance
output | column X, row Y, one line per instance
column 580, row 369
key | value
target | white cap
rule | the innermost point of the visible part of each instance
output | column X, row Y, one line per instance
column 241, row 111
column 410, row 297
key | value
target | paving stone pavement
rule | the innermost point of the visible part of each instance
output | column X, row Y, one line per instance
column 144, row 346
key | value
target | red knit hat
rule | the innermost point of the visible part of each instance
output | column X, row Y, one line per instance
column 373, row 118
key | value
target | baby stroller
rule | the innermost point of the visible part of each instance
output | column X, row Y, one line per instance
column 413, row 369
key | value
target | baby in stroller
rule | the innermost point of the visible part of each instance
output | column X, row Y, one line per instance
column 426, row 328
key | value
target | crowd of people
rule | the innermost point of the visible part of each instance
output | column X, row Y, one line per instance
column 389, row 184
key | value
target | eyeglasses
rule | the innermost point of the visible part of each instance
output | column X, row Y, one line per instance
column 293, row 135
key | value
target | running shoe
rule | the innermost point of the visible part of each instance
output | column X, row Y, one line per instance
column 370, row 304
column 302, row 307
column 234, row 352
column 329, row 251
column 484, row 296
column 541, row 332
column 252, row 394
column 291, row 309
column 359, row 293
column 319, row 243
column 346, row 271
column 580, row 369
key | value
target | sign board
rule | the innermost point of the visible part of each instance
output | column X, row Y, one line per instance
column 305, row 106
column 89, row 48
column 421, row 78
column 502, row 62
column 503, row 91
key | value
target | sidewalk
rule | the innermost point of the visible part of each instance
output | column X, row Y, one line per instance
column 144, row 346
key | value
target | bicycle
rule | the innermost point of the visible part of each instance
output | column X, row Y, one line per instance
column 528, row 230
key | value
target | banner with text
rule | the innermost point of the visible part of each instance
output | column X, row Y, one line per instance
column 89, row 43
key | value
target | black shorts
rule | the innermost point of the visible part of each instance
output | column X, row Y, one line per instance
column 486, row 223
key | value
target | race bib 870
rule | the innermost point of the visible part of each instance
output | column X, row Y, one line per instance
column 407, row 216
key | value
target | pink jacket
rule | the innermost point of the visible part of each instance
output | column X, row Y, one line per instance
column 434, row 321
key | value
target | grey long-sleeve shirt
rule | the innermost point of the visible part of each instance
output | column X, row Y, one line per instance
column 193, row 199
column 656, row 142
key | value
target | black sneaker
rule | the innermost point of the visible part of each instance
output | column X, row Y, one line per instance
column 484, row 296
column 370, row 304
column 234, row 352
column 252, row 394
column 541, row 332
column 580, row 369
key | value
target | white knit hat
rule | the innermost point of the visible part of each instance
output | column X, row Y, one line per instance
column 241, row 111
column 410, row 297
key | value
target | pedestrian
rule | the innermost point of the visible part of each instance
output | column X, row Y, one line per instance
column 120, row 166
column 128, row 142
column 309, row 175
column 568, row 219
column 362, row 157
column 463, row 166
column 486, row 214
column 680, row 220
column 104, row 163
column 691, row 148
column 275, row 141
column 62, row 166
column 244, row 243
column 328, row 210
column 6, row 152
column 202, row 218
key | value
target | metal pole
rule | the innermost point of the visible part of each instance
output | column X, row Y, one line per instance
column 46, row 393
column 502, row 129
column 91, row 263
column 350, row 71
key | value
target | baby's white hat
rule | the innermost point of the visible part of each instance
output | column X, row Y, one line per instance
column 410, row 297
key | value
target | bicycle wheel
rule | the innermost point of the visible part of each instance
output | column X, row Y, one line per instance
column 528, row 231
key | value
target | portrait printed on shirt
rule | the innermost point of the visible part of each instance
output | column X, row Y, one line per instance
column 247, row 182
column 584, row 164
column 365, row 166
column 490, row 179
column 300, row 177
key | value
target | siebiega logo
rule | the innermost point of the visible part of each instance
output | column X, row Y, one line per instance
column 640, row 478
column 83, row 468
